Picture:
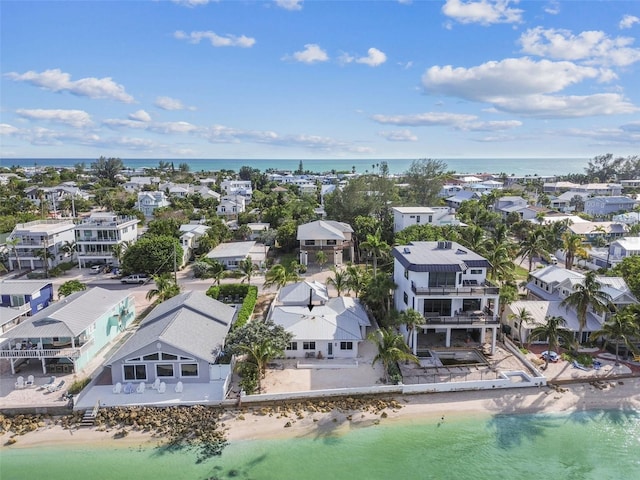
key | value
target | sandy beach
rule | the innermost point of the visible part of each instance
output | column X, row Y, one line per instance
column 297, row 420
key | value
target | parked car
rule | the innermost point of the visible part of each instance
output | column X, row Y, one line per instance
column 553, row 260
column 96, row 269
column 137, row 278
column 553, row 356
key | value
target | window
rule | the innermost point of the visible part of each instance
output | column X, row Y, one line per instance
column 475, row 271
column 442, row 279
column 135, row 372
column 164, row 370
column 308, row 345
column 346, row 345
column 309, row 243
column 189, row 370
column 331, row 243
column 406, row 273
column 292, row 346
column 152, row 356
column 418, row 219
column 405, row 297
column 437, row 307
column 169, row 356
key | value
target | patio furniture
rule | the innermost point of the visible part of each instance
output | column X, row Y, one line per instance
column 54, row 388
column 20, row 382
column 117, row 388
column 30, row 381
column 129, row 388
column 162, row 387
column 141, row 388
column 179, row 387
column 51, row 381
column 156, row 384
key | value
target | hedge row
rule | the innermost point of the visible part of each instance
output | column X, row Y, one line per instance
column 248, row 292
column 247, row 307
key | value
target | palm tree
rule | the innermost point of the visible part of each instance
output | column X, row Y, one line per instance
column 500, row 257
column 246, row 267
column 377, row 296
column 13, row 245
column 321, row 258
column 532, row 246
column 357, row 278
column 621, row 327
column 411, row 319
column 45, row 255
column 523, row 317
column 391, row 349
column 338, row 281
column 260, row 354
column 473, row 237
column 119, row 249
column 585, row 295
column 554, row 331
column 573, row 247
column 279, row 275
column 69, row 248
column 166, row 288
column 376, row 247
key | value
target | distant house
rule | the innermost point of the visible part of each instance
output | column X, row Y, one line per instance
column 135, row 184
column 327, row 235
column 231, row 205
column 180, row 340
column 593, row 232
column 301, row 293
column 69, row 333
column 333, row 329
column 148, row 202
column 462, row 196
column 404, row 217
column 30, row 296
column 602, row 206
column 190, row 235
column 258, row 229
column 231, row 254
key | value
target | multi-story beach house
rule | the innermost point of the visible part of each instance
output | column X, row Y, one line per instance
column 231, row 205
column 22, row 298
column 68, row 334
column 404, row 217
column 603, row 206
column 149, row 201
column 237, row 187
column 447, row 284
column 334, row 238
column 98, row 235
column 37, row 237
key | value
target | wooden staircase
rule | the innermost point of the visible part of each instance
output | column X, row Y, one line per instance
column 89, row 417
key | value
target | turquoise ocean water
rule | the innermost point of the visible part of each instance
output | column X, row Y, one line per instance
column 516, row 166
column 597, row 445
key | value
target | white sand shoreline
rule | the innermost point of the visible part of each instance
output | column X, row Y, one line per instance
column 253, row 423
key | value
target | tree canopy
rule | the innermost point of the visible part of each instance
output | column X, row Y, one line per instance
column 107, row 170
column 152, row 254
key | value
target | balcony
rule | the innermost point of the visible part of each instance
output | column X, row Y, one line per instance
column 466, row 290
column 47, row 352
column 474, row 317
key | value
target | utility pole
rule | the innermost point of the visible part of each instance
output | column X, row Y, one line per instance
column 175, row 265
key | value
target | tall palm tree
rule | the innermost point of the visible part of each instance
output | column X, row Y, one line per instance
column 554, row 331
column 69, row 248
column 13, row 245
column 411, row 319
column 119, row 250
column 585, row 295
column 246, row 267
column 376, row 247
column 260, row 354
column 45, row 255
column 166, row 288
column 523, row 317
column 573, row 246
column 621, row 327
column 321, row 258
column 279, row 275
column 532, row 246
column 377, row 296
column 357, row 279
column 500, row 257
column 338, row 281
column 391, row 348
column 474, row 237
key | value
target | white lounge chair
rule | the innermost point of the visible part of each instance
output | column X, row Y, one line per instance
column 30, row 381
column 117, row 388
column 54, row 388
column 20, row 382
column 179, row 387
column 141, row 388
column 162, row 387
column 156, row 384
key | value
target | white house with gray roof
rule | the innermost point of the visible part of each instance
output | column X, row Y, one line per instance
column 447, row 284
column 232, row 253
column 404, row 217
column 180, row 340
column 332, row 237
column 68, row 334
column 33, row 237
column 604, row 205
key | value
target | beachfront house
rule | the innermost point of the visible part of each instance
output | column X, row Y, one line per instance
column 334, row 238
column 447, row 284
column 231, row 254
column 332, row 328
column 404, row 217
column 181, row 340
column 67, row 335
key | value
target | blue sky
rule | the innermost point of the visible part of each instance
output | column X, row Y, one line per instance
column 319, row 79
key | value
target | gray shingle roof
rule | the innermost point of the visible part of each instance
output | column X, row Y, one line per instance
column 191, row 322
column 22, row 287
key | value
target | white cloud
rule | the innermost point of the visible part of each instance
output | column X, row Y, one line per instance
column 591, row 47
column 289, row 4
column 484, row 12
column 424, row 119
column 74, row 118
column 490, row 126
column 505, row 78
column 399, row 136
column 552, row 8
column 374, row 58
column 140, row 116
column 570, row 106
column 173, row 127
column 628, row 21
column 193, row 3
column 58, row 81
column 6, row 129
column 312, row 53
column 216, row 40
column 603, row 136
column 168, row 103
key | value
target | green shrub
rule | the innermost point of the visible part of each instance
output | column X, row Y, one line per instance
column 248, row 377
column 395, row 377
column 523, row 350
column 248, row 305
column 77, row 386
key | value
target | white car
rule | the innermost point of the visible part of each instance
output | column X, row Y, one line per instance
column 553, row 260
column 96, row 269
